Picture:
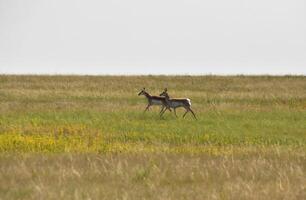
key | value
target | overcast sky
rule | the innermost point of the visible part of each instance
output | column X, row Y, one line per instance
column 153, row 37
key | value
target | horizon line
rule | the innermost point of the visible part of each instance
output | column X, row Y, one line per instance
column 149, row 74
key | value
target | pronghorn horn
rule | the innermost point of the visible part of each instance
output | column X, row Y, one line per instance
column 144, row 88
column 166, row 89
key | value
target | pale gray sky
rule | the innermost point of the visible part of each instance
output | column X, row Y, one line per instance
column 153, row 37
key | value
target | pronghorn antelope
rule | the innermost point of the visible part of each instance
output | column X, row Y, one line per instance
column 155, row 100
column 175, row 103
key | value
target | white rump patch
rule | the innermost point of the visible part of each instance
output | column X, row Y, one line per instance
column 189, row 101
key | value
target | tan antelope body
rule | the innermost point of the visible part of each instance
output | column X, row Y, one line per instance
column 155, row 100
column 178, row 102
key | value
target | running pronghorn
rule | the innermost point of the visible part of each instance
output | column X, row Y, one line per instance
column 155, row 100
column 175, row 103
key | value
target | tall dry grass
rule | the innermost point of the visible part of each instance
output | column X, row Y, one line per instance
column 153, row 176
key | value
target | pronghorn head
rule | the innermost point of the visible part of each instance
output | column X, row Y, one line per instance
column 164, row 93
column 142, row 92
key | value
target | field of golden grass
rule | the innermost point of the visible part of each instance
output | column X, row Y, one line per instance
column 86, row 137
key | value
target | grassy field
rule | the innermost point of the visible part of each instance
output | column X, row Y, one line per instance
column 86, row 137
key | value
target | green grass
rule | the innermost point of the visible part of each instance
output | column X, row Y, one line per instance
column 246, row 125
column 92, row 132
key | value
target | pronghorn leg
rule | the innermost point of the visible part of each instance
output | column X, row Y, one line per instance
column 147, row 108
column 175, row 111
column 162, row 109
column 161, row 114
column 185, row 112
column 192, row 113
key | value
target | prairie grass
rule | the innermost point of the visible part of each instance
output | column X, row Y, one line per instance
column 153, row 176
column 86, row 137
